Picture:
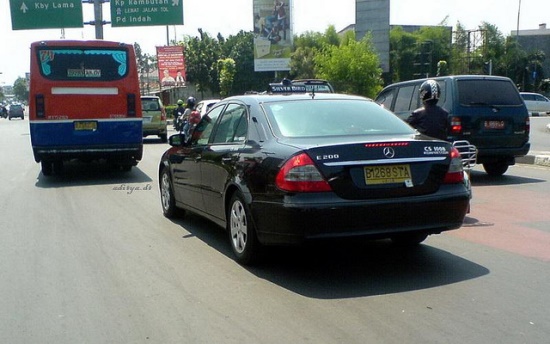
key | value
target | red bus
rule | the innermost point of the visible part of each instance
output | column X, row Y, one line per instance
column 84, row 103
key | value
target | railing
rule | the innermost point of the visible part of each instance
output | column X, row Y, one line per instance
column 468, row 153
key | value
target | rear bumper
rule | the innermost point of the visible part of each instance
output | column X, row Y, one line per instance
column 302, row 217
column 120, row 153
column 154, row 130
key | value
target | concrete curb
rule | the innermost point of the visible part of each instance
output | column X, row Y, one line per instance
column 535, row 158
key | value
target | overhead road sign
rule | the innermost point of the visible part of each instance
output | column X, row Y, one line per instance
column 45, row 14
column 146, row 12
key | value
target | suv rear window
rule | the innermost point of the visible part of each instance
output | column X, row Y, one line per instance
column 487, row 92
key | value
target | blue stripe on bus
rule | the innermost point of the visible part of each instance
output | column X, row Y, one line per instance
column 63, row 133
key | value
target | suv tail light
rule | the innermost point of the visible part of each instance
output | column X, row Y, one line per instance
column 299, row 174
column 162, row 114
column 527, row 125
column 456, row 126
column 40, row 106
column 131, row 104
column 455, row 173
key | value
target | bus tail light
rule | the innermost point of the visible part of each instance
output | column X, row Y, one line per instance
column 131, row 103
column 40, row 106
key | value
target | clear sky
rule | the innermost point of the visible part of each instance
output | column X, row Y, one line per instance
column 229, row 17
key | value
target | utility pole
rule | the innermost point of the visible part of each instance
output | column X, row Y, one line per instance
column 98, row 21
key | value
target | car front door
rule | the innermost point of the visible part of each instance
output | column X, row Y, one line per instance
column 186, row 164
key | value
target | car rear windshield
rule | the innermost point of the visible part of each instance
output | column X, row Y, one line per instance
column 82, row 64
column 150, row 104
column 330, row 117
column 488, row 92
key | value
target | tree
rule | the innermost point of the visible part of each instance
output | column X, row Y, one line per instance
column 145, row 64
column 226, row 71
column 353, row 67
column 21, row 89
column 240, row 48
column 201, row 56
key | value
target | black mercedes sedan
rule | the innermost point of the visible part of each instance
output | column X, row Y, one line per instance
column 280, row 169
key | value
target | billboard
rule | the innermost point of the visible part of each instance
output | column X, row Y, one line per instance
column 171, row 66
column 272, row 35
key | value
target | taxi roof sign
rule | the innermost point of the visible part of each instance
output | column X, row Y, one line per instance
column 281, row 88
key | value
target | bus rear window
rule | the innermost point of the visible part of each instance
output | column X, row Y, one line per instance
column 63, row 64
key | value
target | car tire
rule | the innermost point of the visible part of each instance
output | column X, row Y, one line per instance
column 409, row 239
column 242, row 234
column 167, row 199
column 496, row 168
column 47, row 168
column 163, row 138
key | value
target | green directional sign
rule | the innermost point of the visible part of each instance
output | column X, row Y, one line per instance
column 45, row 14
column 146, row 12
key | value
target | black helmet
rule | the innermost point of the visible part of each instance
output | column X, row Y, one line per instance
column 429, row 90
column 191, row 101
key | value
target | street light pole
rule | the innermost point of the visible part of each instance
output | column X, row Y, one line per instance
column 519, row 11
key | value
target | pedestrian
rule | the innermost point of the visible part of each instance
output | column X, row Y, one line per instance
column 431, row 119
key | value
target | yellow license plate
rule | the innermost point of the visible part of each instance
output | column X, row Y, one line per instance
column 387, row 174
column 85, row 125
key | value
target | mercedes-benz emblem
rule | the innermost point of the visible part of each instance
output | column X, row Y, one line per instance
column 389, row 152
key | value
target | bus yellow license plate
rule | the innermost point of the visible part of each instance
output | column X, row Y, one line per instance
column 387, row 174
column 85, row 125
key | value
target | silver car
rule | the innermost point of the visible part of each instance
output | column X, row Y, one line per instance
column 536, row 103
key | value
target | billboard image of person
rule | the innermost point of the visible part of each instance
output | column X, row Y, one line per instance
column 171, row 66
column 272, row 35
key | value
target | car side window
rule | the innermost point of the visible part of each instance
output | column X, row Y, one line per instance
column 386, row 98
column 233, row 125
column 203, row 131
column 404, row 97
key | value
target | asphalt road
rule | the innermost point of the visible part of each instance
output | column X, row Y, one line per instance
column 87, row 257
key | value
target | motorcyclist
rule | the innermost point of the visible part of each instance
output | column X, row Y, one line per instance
column 191, row 101
column 431, row 119
column 178, row 115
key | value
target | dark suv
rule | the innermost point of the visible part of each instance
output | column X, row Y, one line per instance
column 16, row 110
column 487, row 111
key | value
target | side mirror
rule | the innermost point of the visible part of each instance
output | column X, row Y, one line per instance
column 177, row 140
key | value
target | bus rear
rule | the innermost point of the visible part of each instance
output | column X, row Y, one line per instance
column 84, row 103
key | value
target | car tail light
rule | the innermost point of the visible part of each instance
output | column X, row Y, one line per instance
column 456, row 126
column 527, row 125
column 299, row 174
column 162, row 114
column 131, row 104
column 40, row 106
column 455, row 173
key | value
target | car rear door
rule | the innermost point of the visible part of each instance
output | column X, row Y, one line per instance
column 492, row 113
column 220, row 156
